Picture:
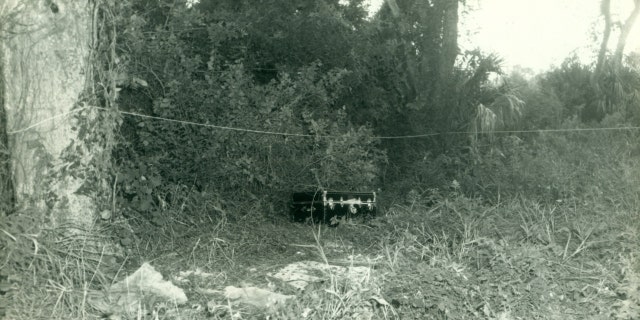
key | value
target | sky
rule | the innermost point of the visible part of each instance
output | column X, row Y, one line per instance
column 537, row 34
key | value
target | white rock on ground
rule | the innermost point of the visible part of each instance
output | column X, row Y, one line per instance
column 302, row 273
column 255, row 296
column 137, row 292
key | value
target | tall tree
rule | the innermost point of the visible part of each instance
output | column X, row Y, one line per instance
column 625, row 31
column 626, row 27
column 450, row 50
column 613, row 93
column 605, row 10
column 58, row 143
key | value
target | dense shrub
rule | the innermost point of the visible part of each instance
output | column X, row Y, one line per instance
column 559, row 166
column 226, row 138
column 542, row 107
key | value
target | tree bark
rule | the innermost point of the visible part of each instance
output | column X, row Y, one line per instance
column 449, row 51
column 46, row 50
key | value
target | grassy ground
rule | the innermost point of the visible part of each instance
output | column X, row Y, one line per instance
column 564, row 244
column 455, row 258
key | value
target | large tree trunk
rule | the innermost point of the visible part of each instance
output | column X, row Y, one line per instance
column 624, row 33
column 46, row 69
column 449, row 50
column 606, row 87
column 605, row 11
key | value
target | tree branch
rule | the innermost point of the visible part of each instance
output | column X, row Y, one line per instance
column 393, row 5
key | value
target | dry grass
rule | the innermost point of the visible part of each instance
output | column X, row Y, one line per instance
column 434, row 254
column 545, row 262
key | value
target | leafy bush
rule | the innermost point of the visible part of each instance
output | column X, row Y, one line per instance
column 226, row 139
column 558, row 166
column 543, row 109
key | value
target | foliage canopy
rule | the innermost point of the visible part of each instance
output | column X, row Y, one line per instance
column 328, row 76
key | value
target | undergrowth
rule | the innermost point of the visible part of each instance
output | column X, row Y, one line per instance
column 52, row 273
column 434, row 252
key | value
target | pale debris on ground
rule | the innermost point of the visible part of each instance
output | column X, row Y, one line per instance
column 137, row 292
column 302, row 273
column 255, row 296
column 183, row 276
